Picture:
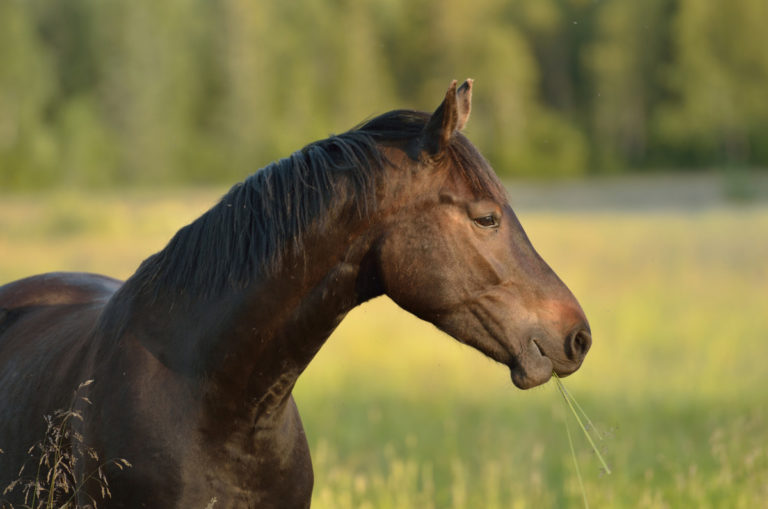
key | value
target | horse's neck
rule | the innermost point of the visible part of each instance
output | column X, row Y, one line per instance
column 248, row 346
column 283, row 325
column 282, row 351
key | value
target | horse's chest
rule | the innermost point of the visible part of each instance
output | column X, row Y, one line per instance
column 265, row 466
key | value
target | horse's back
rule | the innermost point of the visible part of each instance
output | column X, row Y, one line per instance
column 46, row 325
column 38, row 311
column 56, row 288
column 43, row 293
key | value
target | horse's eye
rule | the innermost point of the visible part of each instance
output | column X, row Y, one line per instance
column 489, row 221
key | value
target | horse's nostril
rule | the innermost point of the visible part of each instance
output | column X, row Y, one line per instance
column 577, row 344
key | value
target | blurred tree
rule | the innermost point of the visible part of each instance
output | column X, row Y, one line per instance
column 290, row 75
column 132, row 91
column 720, row 80
column 86, row 153
column 628, row 60
column 359, row 85
column 243, row 86
column 557, row 32
column 65, row 27
column 148, row 84
column 519, row 134
column 27, row 149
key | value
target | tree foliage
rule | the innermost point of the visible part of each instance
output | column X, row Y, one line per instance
column 135, row 91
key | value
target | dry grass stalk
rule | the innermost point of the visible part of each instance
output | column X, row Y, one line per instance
column 61, row 458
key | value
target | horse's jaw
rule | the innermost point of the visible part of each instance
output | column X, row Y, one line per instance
column 532, row 346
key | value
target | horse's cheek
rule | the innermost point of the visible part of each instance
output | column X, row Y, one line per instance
column 410, row 268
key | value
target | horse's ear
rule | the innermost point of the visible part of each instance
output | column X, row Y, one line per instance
column 449, row 117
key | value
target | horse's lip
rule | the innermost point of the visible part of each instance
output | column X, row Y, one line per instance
column 528, row 368
column 528, row 364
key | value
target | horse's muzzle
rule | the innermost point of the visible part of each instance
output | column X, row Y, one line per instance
column 577, row 344
column 541, row 357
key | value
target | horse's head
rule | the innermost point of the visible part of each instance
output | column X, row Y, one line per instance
column 457, row 256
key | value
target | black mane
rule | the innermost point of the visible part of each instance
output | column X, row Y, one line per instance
column 260, row 220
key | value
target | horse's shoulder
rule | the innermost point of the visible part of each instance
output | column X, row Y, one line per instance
column 56, row 288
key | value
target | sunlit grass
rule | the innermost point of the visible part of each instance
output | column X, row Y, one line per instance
column 108, row 233
column 400, row 415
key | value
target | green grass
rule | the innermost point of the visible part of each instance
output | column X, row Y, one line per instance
column 399, row 415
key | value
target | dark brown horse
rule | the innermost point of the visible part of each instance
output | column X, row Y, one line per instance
column 195, row 356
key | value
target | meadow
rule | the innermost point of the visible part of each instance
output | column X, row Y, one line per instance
column 401, row 416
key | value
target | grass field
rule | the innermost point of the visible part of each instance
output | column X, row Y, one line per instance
column 400, row 416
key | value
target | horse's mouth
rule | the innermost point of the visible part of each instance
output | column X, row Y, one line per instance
column 531, row 367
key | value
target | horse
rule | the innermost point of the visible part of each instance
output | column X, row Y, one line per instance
column 186, row 369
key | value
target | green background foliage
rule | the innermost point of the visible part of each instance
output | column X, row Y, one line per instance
column 106, row 93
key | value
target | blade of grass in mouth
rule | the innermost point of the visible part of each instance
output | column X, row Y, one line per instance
column 576, row 463
column 571, row 401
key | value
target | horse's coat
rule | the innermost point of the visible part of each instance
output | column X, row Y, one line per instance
column 194, row 357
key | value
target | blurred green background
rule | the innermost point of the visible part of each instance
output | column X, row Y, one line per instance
column 633, row 137
column 108, row 92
